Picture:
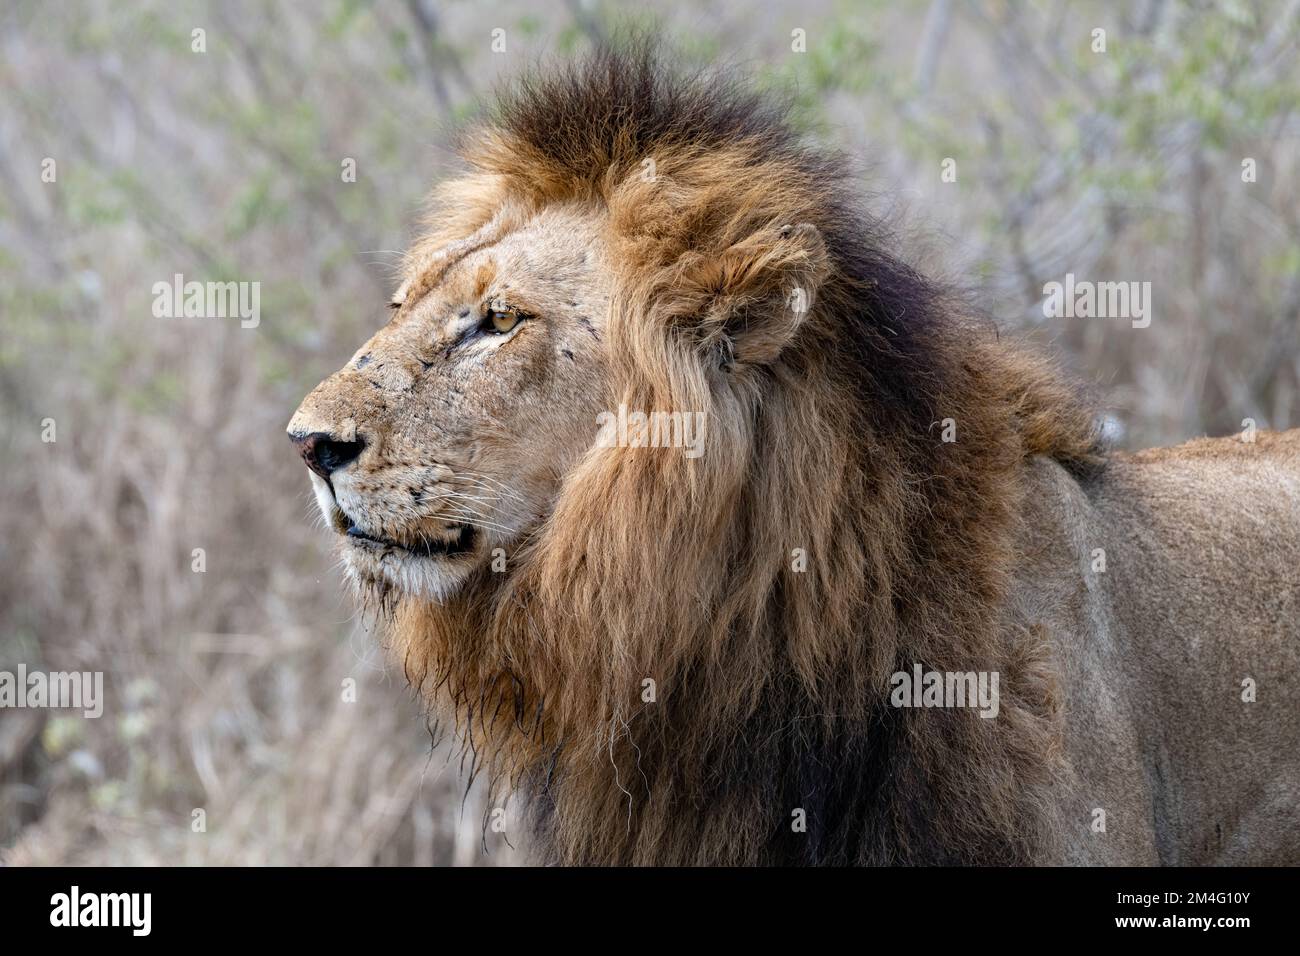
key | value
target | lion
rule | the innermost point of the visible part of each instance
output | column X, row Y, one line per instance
column 705, row 659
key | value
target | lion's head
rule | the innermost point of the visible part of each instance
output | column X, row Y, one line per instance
column 668, row 652
column 447, row 435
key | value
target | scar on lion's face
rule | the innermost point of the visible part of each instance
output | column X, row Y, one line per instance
column 445, row 438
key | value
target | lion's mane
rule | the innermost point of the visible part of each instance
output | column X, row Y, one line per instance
column 770, row 684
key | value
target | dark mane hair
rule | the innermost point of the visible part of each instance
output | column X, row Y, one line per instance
column 826, row 439
column 590, row 123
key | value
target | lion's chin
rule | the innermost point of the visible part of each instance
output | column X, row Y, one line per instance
column 382, row 574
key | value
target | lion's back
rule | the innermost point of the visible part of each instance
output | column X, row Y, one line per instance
column 1182, row 638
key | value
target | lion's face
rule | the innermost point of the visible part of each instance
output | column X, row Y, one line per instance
column 447, row 434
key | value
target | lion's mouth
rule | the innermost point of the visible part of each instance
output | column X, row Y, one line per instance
column 456, row 539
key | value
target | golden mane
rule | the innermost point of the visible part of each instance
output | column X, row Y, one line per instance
column 824, row 440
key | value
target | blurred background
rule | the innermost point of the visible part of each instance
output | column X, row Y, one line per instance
column 1173, row 156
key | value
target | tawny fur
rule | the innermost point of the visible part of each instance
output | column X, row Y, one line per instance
column 825, row 436
column 825, row 440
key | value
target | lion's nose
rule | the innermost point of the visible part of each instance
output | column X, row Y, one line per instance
column 325, row 455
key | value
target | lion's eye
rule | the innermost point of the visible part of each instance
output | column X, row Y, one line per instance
column 500, row 321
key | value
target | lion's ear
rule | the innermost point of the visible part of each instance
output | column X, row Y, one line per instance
column 764, row 286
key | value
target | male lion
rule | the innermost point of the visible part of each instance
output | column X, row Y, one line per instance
column 692, row 658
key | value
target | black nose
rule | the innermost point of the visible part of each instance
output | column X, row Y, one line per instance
column 325, row 455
